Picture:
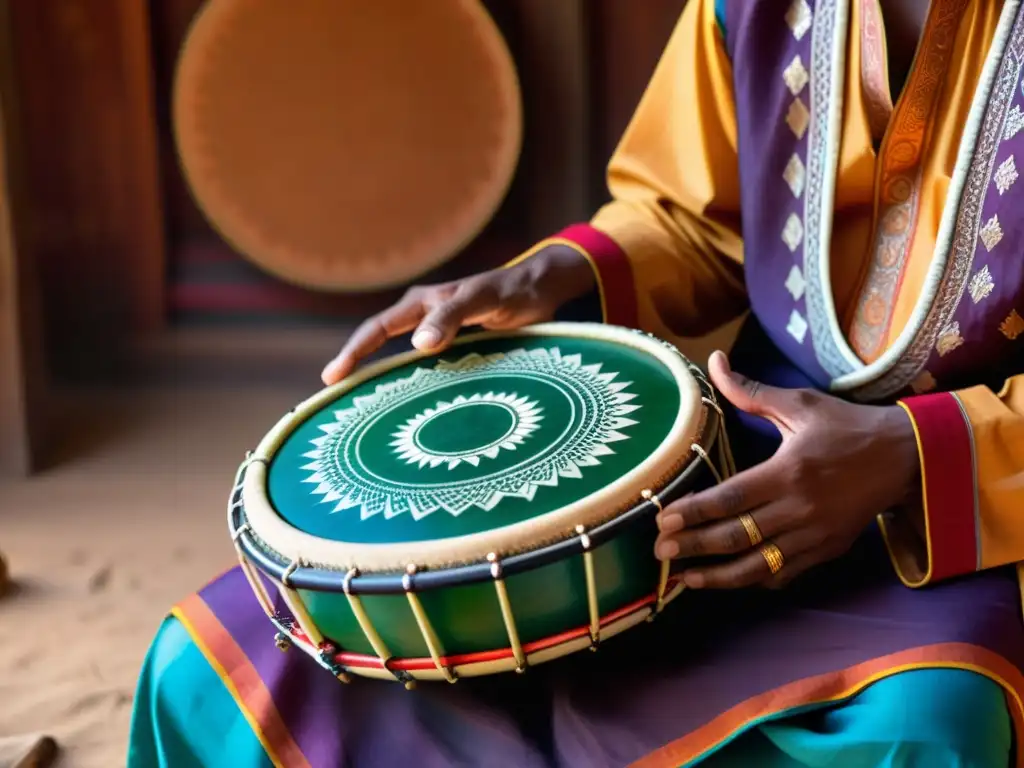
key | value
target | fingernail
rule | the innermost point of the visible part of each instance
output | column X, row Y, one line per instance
column 668, row 550
column 671, row 523
column 693, row 580
column 427, row 338
column 327, row 374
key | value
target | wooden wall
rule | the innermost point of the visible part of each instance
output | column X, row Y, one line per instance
column 23, row 385
column 94, row 208
column 109, row 216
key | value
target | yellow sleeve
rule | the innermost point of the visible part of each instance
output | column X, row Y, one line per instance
column 971, row 444
column 667, row 250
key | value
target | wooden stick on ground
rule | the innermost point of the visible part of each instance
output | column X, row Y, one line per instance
column 27, row 751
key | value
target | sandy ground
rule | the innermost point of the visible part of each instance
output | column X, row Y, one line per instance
column 102, row 545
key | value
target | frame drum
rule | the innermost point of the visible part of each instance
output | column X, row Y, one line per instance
column 480, row 511
column 346, row 145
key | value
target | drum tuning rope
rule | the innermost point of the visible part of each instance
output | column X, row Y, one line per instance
column 287, row 575
column 372, row 636
column 243, row 528
column 724, row 448
column 506, row 612
column 592, row 605
column 426, row 629
column 666, row 565
column 255, row 582
column 297, row 606
column 250, row 458
column 707, row 460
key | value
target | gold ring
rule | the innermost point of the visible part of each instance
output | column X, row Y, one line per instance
column 753, row 532
column 773, row 556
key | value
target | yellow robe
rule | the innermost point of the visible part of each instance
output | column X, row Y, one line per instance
column 675, row 216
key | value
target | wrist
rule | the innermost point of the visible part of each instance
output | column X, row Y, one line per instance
column 563, row 272
column 900, row 441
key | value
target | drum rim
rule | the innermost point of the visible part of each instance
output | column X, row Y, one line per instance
column 311, row 577
column 666, row 466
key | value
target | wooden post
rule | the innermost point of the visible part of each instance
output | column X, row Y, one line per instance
column 21, row 349
column 94, row 211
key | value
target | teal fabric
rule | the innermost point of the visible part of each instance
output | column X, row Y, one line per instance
column 720, row 15
column 185, row 716
column 915, row 719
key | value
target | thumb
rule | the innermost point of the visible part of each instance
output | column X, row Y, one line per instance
column 747, row 394
column 442, row 323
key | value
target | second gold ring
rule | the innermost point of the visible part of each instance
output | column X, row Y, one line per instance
column 773, row 556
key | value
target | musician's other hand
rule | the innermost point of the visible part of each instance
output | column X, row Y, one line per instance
column 529, row 292
column 839, row 465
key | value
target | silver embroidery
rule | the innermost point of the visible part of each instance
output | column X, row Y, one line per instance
column 799, row 18
column 795, row 283
column 797, row 118
column 1006, row 175
column 981, row 285
column 991, row 233
column 831, row 24
column 1014, row 123
column 949, row 339
column 795, row 75
column 793, row 232
column 797, row 327
column 795, row 174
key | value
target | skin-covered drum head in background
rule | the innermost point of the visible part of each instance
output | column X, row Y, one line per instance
column 347, row 145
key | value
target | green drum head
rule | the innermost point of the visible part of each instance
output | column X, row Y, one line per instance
column 491, row 434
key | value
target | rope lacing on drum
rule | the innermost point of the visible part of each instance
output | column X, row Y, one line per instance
column 724, row 447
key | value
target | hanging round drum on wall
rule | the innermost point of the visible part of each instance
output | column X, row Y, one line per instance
column 347, row 145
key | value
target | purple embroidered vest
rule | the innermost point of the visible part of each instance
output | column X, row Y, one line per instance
column 789, row 70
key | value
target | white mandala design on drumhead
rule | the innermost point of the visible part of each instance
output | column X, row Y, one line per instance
column 525, row 418
column 602, row 409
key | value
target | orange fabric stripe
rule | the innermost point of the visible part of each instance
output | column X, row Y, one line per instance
column 842, row 684
column 899, row 179
column 242, row 680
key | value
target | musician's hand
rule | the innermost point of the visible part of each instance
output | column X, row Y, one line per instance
column 839, row 466
column 527, row 293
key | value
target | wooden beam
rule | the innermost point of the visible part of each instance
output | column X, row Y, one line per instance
column 95, row 210
column 22, row 394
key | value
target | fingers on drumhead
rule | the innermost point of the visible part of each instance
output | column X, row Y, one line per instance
column 434, row 315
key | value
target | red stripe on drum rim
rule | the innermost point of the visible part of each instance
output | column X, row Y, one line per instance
column 419, row 663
